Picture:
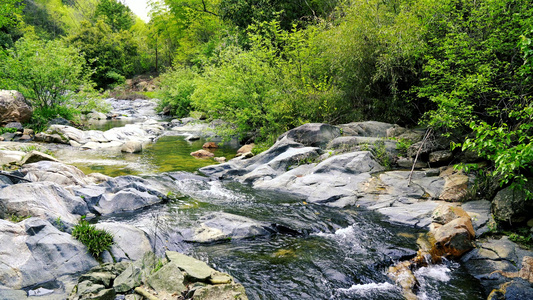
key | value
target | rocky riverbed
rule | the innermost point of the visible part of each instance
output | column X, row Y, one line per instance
column 345, row 167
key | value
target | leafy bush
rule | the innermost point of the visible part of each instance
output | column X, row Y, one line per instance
column 45, row 72
column 5, row 130
column 176, row 89
column 478, row 73
column 96, row 240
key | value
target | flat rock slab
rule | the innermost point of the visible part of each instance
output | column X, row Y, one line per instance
column 194, row 268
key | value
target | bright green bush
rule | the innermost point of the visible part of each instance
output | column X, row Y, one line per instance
column 176, row 89
column 96, row 240
column 478, row 73
column 45, row 72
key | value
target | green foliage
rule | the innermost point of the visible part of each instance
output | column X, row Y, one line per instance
column 478, row 74
column 176, row 89
column 46, row 72
column 402, row 145
column 244, row 13
column 112, row 55
column 521, row 236
column 96, row 240
column 15, row 219
column 6, row 130
column 115, row 14
column 9, row 10
column 374, row 53
column 35, row 148
column 41, row 116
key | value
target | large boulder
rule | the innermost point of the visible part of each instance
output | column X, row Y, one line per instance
column 312, row 134
column 14, row 107
column 454, row 238
column 45, row 200
column 510, row 205
column 37, row 156
column 368, row 128
column 9, row 157
column 130, row 242
column 56, row 172
column 35, row 252
column 495, row 258
column 125, row 193
column 222, row 226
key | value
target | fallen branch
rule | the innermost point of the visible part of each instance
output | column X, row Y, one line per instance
column 141, row 291
column 428, row 132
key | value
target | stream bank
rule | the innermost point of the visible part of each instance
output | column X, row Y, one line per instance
column 317, row 215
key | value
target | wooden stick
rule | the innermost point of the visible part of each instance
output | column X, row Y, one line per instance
column 428, row 132
column 141, row 291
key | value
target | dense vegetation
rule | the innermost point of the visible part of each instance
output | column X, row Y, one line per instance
column 461, row 67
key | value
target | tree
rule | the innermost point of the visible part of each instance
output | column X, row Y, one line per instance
column 9, row 10
column 478, row 73
column 115, row 14
column 112, row 55
column 46, row 72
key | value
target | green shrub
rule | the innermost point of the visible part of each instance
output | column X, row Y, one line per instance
column 96, row 240
column 6, row 130
column 176, row 88
column 45, row 72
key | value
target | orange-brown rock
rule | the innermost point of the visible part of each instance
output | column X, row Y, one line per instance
column 246, row 148
column 14, row 107
column 455, row 185
column 454, row 238
column 202, row 154
column 402, row 275
column 445, row 213
column 210, row 145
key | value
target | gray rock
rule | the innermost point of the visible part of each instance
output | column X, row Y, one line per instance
column 34, row 251
column 494, row 255
column 510, row 205
column 223, row 226
column 128, row 199
column 312, row 134
column 9, row 294
column 405, row 162
column 15, row 125
column 59, row 121
column 9, row 157
column 368, row 128
column 135, row 273
column 359, row 143
column 168, row 279
column 428, row 146
column 45, row 200
column 54, row 172
column 221, row 292
column 125, row 193
column 518, row 289
column 440, row 157
column 416, row 213
column 330, row 181
column 36, row 156
column 14, row 107
column 132, row 147
column 130, row 242
column 481, row 215
column 195, row 269
column 4, row 180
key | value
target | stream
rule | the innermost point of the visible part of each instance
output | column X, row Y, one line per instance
column 316, row 252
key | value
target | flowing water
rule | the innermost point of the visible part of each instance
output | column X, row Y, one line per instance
column 316, row 252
